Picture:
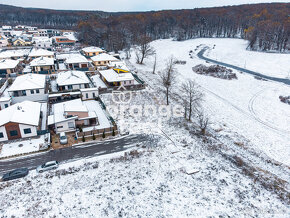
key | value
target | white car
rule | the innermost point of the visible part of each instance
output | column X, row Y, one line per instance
column 62, row 138
column 51, row 165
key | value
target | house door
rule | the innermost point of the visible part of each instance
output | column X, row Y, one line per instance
column 13, row 131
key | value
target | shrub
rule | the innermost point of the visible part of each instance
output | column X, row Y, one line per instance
column 113, row 134
column 104, row 136
column 83, row 139
column 94, row 137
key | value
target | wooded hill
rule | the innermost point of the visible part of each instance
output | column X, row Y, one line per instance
column 266, row 26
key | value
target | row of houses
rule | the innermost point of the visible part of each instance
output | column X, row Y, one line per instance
column 32, row 36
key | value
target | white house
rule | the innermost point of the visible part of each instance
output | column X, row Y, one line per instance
column 14, row 54
column 92, row 51
column 114, row 78
column 103, row 59
column 66, row 116
column 42, row 42
column 39, row 52
column 43, row 65
column 28, row 87
column 89, row 93
column 77, row 62
column 8, row 66
column 72, row 80
column 5, row 102
column 21, row 120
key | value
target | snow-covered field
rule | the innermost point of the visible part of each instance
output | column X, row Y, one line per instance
column 235, row 179
column 248, row 106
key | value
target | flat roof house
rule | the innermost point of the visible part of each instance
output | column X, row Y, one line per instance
column 43, row 65
column 63, row 41
column 77, row 62
column 28, row 87
column 8, row 66
column 113, row 77
column 103, row 59
column 21, row 120
column 72, row 80
column 67, row 116
column 92, row 51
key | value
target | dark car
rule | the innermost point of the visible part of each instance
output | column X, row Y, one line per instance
column 15, row 174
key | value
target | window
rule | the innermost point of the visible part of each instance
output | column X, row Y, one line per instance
column 6, row 105
column 27, row 131
column 94, row 95
column 13, row 133
column 37, row 90
column 124, row 82
column 69, row 86
column 71, row 125
column 23, row 92
column 87, row 95
column 59, row 127
column 1, row 135
column 32, row 91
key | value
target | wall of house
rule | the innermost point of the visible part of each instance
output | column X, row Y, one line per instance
column 12, row 127
column 101, row 63
column 28, row 93
column 3, row 130
column 3, row 103
column 33, row 130
column 128, row 83
column 64, row 126
column 86, row 95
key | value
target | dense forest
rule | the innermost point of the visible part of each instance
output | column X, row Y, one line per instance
column 266, row 26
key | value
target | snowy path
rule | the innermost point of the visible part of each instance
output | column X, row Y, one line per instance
column 275, row 79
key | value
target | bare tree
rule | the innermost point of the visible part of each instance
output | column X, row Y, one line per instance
column 154, row 64
column 203, row 121
column 168, row 77
column 191, row 96
column 144, row 49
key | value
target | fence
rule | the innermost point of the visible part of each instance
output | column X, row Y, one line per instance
column 98, row 132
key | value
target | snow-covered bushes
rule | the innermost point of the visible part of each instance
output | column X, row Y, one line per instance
column 215, row 71
column 285, row 99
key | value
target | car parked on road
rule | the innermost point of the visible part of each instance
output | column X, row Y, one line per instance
column 51, row 165
column 62, row 138
column 15, row 174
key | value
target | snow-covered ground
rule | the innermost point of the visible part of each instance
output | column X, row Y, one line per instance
column 234, row 178
column 23, row 146
column 248, row 106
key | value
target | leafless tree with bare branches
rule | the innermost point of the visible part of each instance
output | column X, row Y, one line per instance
column 168, row 76
column 144, row 49
column 191, row 96
column 203, row 121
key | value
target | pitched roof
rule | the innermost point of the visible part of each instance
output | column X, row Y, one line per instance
column 71, row 78
column 27, row 82
column 14, row 53
column 26, row 112
column 104, row 57
column 76, row 58
column 40, row 52
column 92, row 49
column 42, row 61
column 8, row 64
column 112, row 76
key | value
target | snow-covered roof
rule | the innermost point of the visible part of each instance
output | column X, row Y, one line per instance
column 42, row 61
column 118, row 65
column 40, row 52
column 26, row 112
column 92, row 49
column 71, row 78
column 14, row 53
column 27, row 82
column 112, row 76
column 104, row 57
column 59, row 110
column 8, row 64
column 41, row 39
column 76, row 58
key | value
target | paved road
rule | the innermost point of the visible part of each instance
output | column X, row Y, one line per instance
column 281, row 80
column 73, row 153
